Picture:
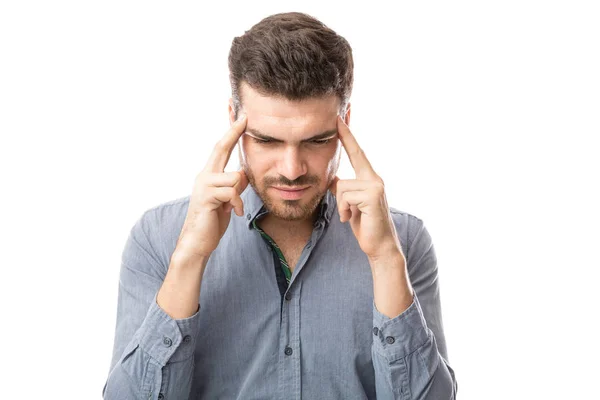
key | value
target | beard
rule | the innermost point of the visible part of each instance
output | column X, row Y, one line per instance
column 288, row 210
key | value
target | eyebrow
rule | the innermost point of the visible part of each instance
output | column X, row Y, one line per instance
column 259, row 135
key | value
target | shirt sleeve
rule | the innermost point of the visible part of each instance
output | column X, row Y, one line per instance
column 409, row 350
column 149, row 345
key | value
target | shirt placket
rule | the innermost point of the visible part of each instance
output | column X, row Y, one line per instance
column 289, row 338
column 290, row 381
column 289, row 344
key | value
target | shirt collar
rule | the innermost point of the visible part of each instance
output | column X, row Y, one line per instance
column 254, row 206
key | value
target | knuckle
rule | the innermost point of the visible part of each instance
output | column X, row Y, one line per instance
column 231, row 192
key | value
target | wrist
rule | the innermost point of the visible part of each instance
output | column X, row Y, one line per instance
column 181, row 259
column 387, row 253
column 392, row 290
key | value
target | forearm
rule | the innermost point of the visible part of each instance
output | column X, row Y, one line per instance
column 160, row 347
column 409, row 353
column 153, row 353
column 392, row 291
column 406, row 359
column 180, row 291
column 158, row 361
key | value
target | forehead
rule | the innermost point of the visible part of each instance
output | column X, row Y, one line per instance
column 288, row 119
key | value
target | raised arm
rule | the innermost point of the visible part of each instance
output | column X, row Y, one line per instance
column 158, row 310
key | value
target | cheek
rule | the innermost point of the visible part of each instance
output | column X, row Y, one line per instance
column 334, row 158
column 249, row 151
column 325, row 163
column 255, row 158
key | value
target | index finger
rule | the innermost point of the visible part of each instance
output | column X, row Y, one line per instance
column 222, row 151
column 357, row 156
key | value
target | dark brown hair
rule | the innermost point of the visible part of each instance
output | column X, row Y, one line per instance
column 294, row 56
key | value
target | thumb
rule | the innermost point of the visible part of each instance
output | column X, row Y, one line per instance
column 242, row 183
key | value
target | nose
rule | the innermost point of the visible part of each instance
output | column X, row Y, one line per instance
column 292, row 164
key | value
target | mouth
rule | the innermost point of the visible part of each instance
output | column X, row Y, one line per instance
column 291, row 193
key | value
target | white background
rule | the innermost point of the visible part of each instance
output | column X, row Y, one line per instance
column 482, row 118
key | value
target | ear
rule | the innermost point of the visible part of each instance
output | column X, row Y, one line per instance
column 231, row 112
column 347, row 116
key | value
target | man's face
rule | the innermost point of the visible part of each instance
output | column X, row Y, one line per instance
column 289, row 145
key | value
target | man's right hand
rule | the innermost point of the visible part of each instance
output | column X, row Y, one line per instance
column 214, row 195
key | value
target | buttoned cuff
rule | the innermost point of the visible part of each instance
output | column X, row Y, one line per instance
column 166, row 339
column 397, row 337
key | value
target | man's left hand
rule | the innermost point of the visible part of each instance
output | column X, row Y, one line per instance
column 363, row 203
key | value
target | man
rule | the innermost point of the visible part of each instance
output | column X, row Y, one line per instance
column 280, row 280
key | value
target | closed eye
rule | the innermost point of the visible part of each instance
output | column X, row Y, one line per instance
column 268, row 141
column 260, row 140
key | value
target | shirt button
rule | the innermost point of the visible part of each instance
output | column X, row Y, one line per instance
column 288, row 351
column 390, row 340
column 375, row 331
column 167, row 342
column 288, row 296
column 161, row 396
column 187, row 339
column 248, row 216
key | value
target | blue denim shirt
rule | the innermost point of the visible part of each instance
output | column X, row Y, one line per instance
column 320, row 338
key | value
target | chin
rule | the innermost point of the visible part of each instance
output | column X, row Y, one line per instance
column 291, row 210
